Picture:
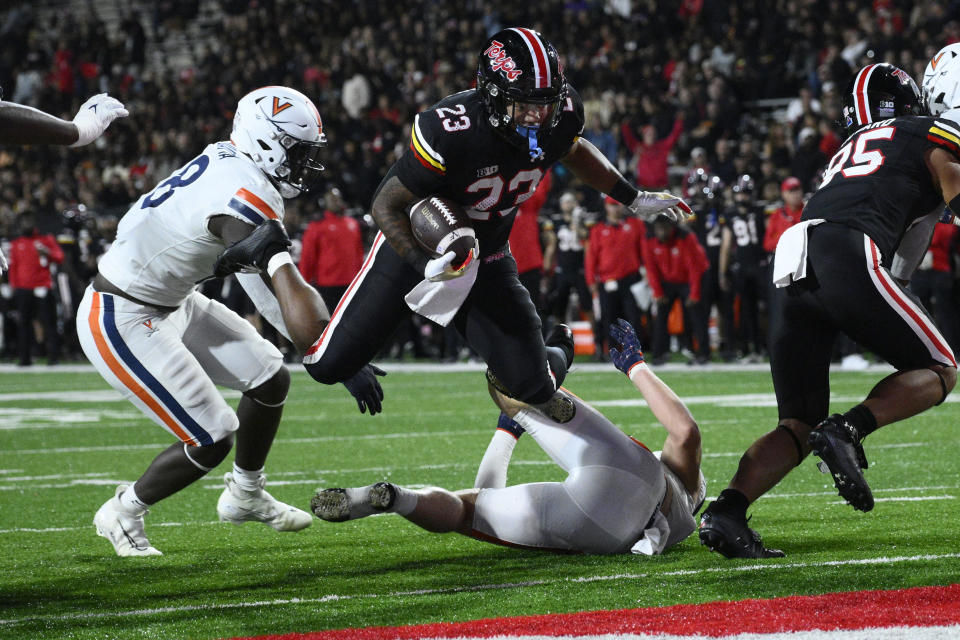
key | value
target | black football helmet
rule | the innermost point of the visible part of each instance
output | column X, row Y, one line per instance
column 744, row 184
column 519, row 66
column 878, row 92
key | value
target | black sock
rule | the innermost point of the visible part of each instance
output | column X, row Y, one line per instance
column 733, row 502
column 862, row 419
column 510, row 426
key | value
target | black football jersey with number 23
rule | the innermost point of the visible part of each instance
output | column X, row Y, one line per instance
column 879, row 183
column 454, row 153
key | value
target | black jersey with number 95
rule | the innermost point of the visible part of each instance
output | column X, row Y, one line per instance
column 879, row 183
column 456, row 154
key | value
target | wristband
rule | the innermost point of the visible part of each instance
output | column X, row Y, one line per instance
column 624, row 192
column 637, row 366
column 278, row 261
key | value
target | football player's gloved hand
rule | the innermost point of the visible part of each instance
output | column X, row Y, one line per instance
column 252, row 254
column 625, row 348
column 3, row 263
column 648, row 204
column 442, row 268
column 95, row 116
column 366, row 389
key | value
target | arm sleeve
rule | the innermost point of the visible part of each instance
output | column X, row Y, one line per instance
column 264, row 300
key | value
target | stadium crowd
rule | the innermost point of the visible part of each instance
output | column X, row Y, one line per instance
column 689, row 95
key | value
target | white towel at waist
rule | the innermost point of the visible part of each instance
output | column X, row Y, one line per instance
column 440, row 301
column 790, row 259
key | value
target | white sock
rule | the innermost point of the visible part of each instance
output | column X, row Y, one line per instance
column 404, row 502
column 247, row 480
column 492, row 473
column 130, row 503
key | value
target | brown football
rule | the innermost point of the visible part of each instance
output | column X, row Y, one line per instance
column 440, row 225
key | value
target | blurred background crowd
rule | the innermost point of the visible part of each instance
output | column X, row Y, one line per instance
column 731, row 104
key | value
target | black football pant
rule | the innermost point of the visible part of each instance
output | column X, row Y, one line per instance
column 846, row 289
column 497, row 319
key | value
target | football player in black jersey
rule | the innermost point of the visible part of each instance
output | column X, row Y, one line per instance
column 486, row 149
column 20, row 124
column 896, row 167
column 743, row 263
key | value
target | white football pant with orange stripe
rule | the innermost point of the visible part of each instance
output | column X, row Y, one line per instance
column 169, row 363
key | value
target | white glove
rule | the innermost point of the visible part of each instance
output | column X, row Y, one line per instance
column 441, row 268
column 95, row 116
column 3, row 263
column 648, row 204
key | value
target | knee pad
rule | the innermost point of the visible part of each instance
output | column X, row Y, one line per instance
column 209, row 456
column 944, row 386
column 273, row 392
column 801, row 454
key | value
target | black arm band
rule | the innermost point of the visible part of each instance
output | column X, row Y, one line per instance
column 625, row 193
column 955, row 205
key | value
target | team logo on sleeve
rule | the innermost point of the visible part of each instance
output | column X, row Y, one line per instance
column 500, row 61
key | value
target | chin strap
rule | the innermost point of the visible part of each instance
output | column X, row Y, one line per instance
column 530, row 133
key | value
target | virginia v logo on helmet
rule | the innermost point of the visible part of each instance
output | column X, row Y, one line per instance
column 523, row 87
column 280, row 129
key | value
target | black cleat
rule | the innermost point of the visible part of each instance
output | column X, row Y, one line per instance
column 731, row 537
column 561, row 336
column 837, row 443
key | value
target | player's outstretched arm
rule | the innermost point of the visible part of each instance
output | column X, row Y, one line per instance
column 681, row 450
column 264, row 249
column 20, row 124
column 587, row 163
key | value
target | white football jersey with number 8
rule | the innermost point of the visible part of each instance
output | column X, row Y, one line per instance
column 163, row 246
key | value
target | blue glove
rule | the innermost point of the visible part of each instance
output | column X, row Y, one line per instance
column 366, row 389
column 625, row 348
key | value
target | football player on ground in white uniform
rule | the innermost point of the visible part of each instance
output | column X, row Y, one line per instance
column 20, row 124
column 618, row 496
column 166, row 347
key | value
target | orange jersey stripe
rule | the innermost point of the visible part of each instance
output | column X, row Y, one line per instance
column 126, row 378
column 255, row 200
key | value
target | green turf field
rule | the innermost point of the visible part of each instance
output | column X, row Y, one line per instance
column 67, row 443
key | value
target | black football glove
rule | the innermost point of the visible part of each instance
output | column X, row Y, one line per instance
column 366, row 389
column 252, row 254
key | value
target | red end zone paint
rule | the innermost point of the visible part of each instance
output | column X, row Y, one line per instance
column 921, row 606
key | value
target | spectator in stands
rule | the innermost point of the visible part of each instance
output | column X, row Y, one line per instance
column 332, row 250
column 651, row 153
column 612, row 265
column 675, row 263
column 31, row 254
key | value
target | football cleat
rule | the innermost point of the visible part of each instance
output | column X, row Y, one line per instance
column 837, row 443
column 123, row 530
column 238, row 506
column 561, row 336
column 731, row 537
column 559, row 408
column 339, row 505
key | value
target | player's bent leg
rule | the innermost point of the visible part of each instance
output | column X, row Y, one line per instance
column 123, row 527
column 836, row 442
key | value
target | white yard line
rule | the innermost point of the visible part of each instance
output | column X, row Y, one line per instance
column 106, row 615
